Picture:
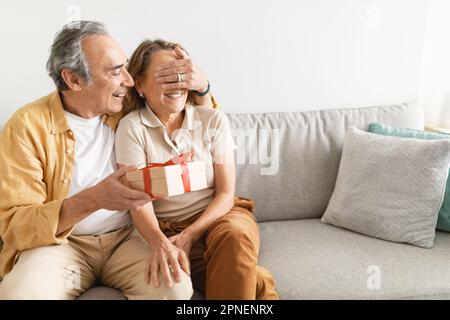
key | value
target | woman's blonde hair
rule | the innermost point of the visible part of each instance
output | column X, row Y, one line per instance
column 139, row 61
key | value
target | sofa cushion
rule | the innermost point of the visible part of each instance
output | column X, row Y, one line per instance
column 288, row 162
column 443, row 222
column 312, row 260
column 389, row 187
column 102, row 293
column 108, row 293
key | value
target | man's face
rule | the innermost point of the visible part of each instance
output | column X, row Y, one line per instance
column 109, row 76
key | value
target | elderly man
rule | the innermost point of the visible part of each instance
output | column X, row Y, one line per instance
column 63, row 210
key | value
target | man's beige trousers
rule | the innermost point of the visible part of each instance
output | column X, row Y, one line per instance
column 117, row 259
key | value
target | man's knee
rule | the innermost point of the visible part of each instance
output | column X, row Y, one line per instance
column 37, row 274
column 179, row 291
column 182, row 290
column 22, row 288
column 8, row 293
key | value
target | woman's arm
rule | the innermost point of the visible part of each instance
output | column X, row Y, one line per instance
column 163, row 254
column 224, row 177
column 146, row 223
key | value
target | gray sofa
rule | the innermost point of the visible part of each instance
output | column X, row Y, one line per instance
column 288, row 163
column 312, row 260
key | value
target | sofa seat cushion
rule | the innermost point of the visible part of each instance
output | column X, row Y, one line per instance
column 312, row 260
column 107, row 293
column 102, row 293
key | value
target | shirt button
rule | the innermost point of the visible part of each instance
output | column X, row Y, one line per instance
column 69, row 151
column 70, row 133
column 65, row 181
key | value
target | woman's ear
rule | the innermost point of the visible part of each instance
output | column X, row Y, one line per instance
column 138, row 85
column 72, row 80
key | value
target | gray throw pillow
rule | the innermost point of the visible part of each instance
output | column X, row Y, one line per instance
column 390, row 187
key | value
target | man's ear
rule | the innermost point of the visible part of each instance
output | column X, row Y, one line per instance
column 72, row 80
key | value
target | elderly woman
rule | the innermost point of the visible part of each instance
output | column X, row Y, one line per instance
column 208, row 234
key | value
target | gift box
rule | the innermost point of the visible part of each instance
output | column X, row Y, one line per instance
column 175, row 177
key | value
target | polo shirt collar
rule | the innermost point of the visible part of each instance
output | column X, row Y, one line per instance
column 191, row 118
column 149, row 118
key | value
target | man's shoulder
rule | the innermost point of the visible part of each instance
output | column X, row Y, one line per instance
column 36, row 113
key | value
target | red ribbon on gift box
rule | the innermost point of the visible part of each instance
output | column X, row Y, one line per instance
column 181, row 159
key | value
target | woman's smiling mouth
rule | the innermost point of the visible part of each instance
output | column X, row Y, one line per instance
column 173, row 95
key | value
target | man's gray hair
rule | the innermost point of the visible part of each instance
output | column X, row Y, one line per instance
column 66, row 51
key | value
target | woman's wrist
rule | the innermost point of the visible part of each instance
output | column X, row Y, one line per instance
column 190, row 233
column 155, row 238
column 203, row 91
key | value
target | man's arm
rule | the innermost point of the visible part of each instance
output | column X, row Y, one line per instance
column 109, row 194
column 75, row 209
column 29, row 217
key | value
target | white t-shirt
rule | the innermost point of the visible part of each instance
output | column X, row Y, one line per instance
column 94, row 160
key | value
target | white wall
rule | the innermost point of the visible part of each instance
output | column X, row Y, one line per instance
column 260, row 55
column 434, row 90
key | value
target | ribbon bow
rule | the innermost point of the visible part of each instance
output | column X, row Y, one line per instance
column 181, row 159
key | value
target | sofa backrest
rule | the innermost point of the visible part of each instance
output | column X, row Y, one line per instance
column 288, row 162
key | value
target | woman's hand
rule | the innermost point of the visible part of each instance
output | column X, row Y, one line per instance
column 166, row 258
column 183, row 241
column 192, row 77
